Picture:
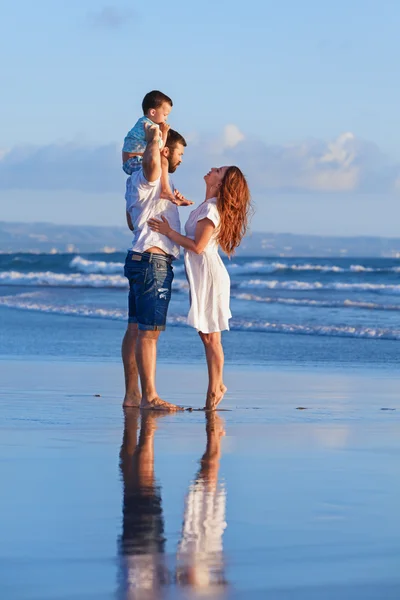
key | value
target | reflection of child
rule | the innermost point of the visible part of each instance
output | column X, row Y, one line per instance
column 156, row 108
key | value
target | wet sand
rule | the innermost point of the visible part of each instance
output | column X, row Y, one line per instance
column 291, row 492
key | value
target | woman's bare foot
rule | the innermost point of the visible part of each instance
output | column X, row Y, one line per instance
column 158, row 404
column 215, row 424
column 214, row 399
column 131, row 401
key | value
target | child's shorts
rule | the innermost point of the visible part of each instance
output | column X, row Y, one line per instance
column 132, row 164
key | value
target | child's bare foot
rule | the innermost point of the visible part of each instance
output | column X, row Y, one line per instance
column 158, row 404
column 175, row 197
column 168, row 194
column 180, row 199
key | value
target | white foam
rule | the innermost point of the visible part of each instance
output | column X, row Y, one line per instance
column 273, row 267
column 317, row 285
column 96, row 266
column 318, row 330
column 48, row 278
column 28, row 302
column 74, row 280
column 100, row 266
column 317, row 303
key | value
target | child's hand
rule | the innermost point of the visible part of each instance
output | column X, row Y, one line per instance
column 162, row 227
column 180, row 200
column 164, row 128
column 151, row 132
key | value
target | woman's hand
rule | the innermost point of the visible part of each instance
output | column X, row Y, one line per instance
column 162, row 227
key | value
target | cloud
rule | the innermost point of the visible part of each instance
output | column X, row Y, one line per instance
column 110, row 17
column 232, row 136
column 344, row 164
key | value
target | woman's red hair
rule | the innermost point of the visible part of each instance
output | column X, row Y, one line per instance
column 233, row 203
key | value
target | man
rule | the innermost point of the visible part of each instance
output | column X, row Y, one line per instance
column 148, row 267
column 142, row 543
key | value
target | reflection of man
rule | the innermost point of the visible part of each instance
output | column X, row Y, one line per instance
column 200, row 552
column 148, row 267
column 142, row 542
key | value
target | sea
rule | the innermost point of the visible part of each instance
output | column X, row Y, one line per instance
column 336, row 311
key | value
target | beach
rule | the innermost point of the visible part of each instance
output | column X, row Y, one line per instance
column 290, row 491
column 308, row 469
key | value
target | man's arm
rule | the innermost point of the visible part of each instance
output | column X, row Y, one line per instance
column 152, row 156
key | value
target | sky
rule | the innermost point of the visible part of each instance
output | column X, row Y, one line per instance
column 302, row 96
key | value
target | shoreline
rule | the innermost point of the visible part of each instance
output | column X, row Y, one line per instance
column 307, row 470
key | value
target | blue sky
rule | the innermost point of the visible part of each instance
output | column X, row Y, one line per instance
column 303, row 96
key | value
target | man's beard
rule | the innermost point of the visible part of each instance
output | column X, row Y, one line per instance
column 171, row 166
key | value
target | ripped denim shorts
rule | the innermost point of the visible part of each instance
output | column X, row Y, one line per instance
column 150, row 279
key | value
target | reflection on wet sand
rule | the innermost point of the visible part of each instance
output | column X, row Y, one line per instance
column 200, row 563
column 200, row 553
column 142, row 542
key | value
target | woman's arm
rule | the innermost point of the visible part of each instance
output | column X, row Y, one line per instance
column 204, row 231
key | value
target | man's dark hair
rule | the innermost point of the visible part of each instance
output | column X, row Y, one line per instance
column 174, row 138
column 154, row 99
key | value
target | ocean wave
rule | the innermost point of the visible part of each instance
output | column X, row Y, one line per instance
column 274, row 284
column 84, row 265
column 31, row 303
column 74, row 280
column 318, row 330
column 316, row 303
column 261, row 266
column 48, row 278
column 96, row 266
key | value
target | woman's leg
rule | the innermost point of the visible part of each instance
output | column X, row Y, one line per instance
column 215, row 364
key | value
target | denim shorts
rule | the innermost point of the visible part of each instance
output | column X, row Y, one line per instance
column 150, row 280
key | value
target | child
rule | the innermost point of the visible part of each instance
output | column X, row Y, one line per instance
column 156, row 108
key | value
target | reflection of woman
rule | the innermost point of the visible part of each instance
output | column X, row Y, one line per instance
column 200, row 552
column 221, row 220
column 142, row 541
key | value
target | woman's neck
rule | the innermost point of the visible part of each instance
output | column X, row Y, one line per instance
column 211, row 192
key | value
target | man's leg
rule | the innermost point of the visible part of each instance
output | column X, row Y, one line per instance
column 146, row 357
column 132, row 391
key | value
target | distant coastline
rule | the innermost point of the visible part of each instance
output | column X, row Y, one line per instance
column 71, row 239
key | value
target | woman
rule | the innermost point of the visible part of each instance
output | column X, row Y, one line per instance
column 221, row 220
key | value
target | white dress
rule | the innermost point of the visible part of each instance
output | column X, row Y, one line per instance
column 207, row 276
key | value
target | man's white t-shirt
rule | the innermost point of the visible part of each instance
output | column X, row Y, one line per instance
column 142, row 203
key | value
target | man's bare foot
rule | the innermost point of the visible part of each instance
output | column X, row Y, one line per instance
column 131, row 401
column 214, row 399
column 158, row 404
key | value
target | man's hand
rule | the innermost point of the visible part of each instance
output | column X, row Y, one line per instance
column 151, row 132
column 162, row 227
column 180, row 200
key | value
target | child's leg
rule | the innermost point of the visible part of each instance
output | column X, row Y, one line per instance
column 166, row 191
